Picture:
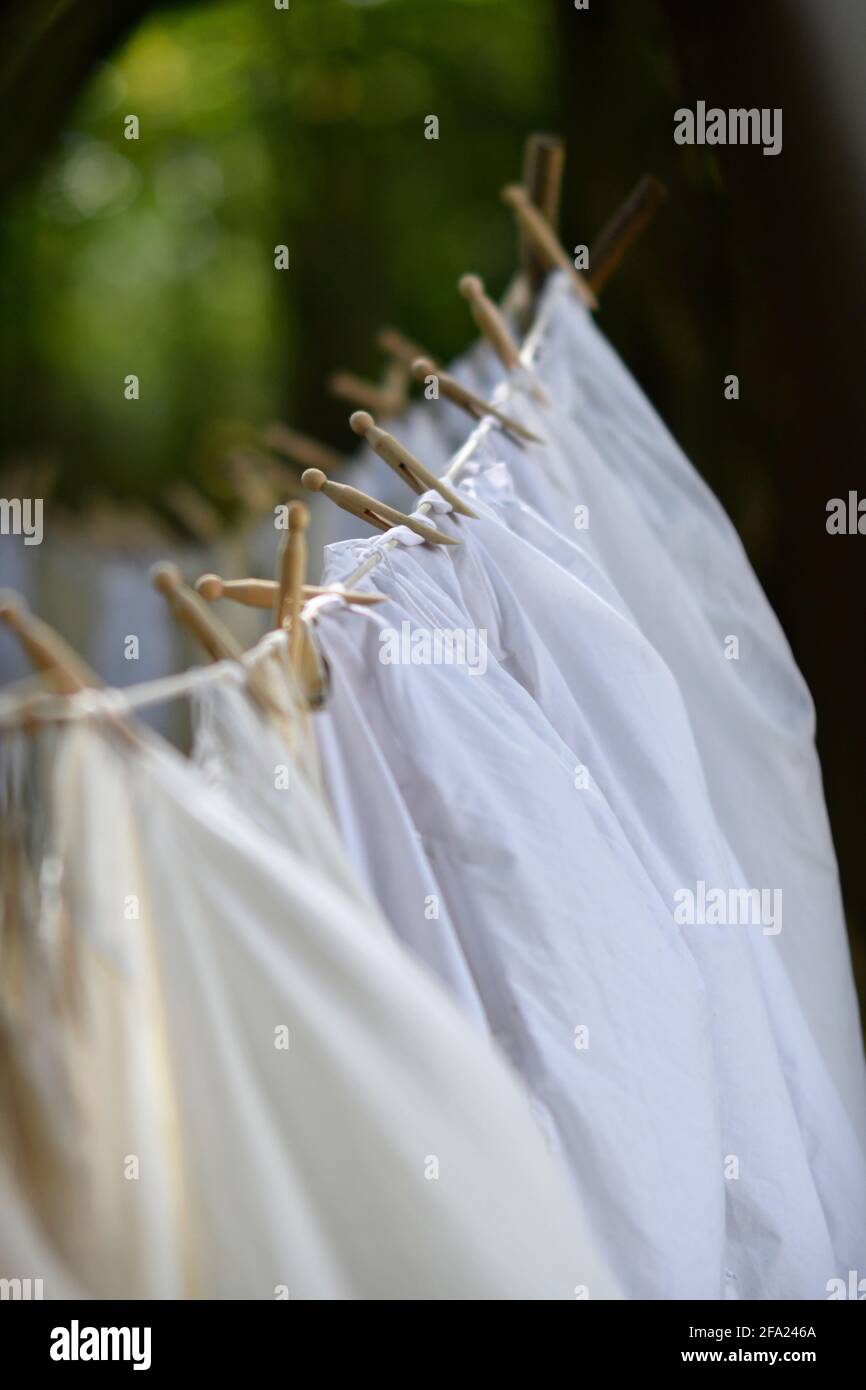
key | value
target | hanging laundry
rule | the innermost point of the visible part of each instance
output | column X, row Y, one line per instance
column 615, row 704
column 567, row 768
column 666, row 544
column 586, row 981
column 321, row 1122
column 275, row 777
column 83, row 1109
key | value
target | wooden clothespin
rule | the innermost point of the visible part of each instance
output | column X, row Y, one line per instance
column 252, row 593
column 424, row 368
column 190, row 612
column 395, row 385
column 197, row 514
column 265, row 593
column 258, row 478
column 301, row 448
column 220, row 644
column 49, row 653
column 368, row 509
column 413, row 472
column 623, row 229
column 538, row 230
column 304, row 663
column 64, row 671
column 489, row 320
column 398, row 345
column 387, row 399
column 543, row 164
column 262, row 593
column 291, row 568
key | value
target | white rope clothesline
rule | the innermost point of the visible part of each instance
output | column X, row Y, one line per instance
column 501, row 395
column 38, row 707
column 43, row 706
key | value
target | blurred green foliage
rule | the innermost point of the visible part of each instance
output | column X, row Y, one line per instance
column 257, row 127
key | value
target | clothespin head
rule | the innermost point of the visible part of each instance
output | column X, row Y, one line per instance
column 360, row 421
column 489, row 320
column 369, row 509
column 470, row 285
column 210, row 587
column 413, row 472
column 165, row 578
column 423, row 368
column 539, row 232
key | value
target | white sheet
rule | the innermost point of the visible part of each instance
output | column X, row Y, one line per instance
column 614, row 702
column 665, row 543
column 563, row 930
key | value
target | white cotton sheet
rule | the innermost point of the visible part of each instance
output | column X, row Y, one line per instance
column 614, row 702
column 385, row 1153
column 562, row 927
column 274, row 775
column 268, row 765
column 672, row 554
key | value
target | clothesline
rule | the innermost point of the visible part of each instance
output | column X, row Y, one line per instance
column 701, row 1085
column 44, row 707
column 501, row 395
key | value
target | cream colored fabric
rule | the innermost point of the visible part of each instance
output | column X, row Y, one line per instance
column 384, row 1151
column 82, row 1093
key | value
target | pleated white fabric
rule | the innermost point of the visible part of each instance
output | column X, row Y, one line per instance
column 586, row 982
column 615, row 704
column 383, row 1152
column 268, row 765
column 285, row 796
column 221, row 1074
column 671, row 552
